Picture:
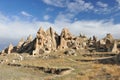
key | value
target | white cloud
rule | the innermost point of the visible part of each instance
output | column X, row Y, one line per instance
column 46, row 17
column 101, row 4
column 19, row 28
column 57, row 3
column 90, row 28
column 26, row 14
column 3, row 18
column 98, row 28
column 103, row 8
column 61, row 17
column 118, row 4
column 79, row 5
column 118, row 1
column 49, row 9
column 15, row 29
column 72, row 6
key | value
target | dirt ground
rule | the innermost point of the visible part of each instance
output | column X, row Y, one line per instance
column 59, row 66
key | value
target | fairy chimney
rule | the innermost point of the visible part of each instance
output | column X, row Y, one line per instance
column 109, row 37
column 51, row 38
column 29, row 38
column 20, row 43
column 10, row 48
column 41, row 36
column 115, row 49
column 66, row 34
column 64, row 38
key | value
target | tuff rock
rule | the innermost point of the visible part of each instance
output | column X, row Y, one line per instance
column 49, row 40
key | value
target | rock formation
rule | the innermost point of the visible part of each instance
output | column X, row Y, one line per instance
column 49, row 40
column 46, row 41
column 115, row 49
column 65, row 37
column 107, row 44
column 109, row 36
column 9, row 49
column 20, row 43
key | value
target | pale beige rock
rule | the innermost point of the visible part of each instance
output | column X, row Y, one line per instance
column 41, row 32
column 10, row 48
column 109, row 36
column 29, row 38
column 20, row 43
column 108, row 45
column 41, row 37
column 66, row 34
column 64, row 38
column 51, row 38
column 102, row 42
column 100, row 45
column 63, row 44
column 115, row 49
column 2, row 52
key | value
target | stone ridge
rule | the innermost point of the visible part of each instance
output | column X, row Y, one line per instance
column 49, row 40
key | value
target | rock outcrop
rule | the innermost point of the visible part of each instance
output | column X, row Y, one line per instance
column 9, row 49
column 20, row 44
column 107, row 44
column 115, row 49
column 46, row 41
column 49, row 40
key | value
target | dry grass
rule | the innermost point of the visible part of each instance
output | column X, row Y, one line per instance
column 82, row 70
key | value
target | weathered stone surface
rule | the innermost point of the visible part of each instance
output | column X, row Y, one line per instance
column 64, row 38
column 109, row 36
column 63, row 44
column 70, row 52
column 115, row 49
column 107, row 44
column 49, row 40
column 2, row 52
column 52, row 38
column 66, row 34
column 29, row 38
column 10, row 48
column 94, row 38
column 20, row 43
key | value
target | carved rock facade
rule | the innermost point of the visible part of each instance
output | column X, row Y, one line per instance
column 49, row 40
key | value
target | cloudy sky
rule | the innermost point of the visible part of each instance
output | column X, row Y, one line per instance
column 19, row 18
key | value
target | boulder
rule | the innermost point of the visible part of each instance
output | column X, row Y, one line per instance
column 115, row 49
column 70, row 52
column 109, row 45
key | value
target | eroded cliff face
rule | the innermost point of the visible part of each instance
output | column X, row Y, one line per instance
column 49, row 40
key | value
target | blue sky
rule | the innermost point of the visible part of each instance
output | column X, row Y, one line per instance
column 19, row 18
column 49, row 9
